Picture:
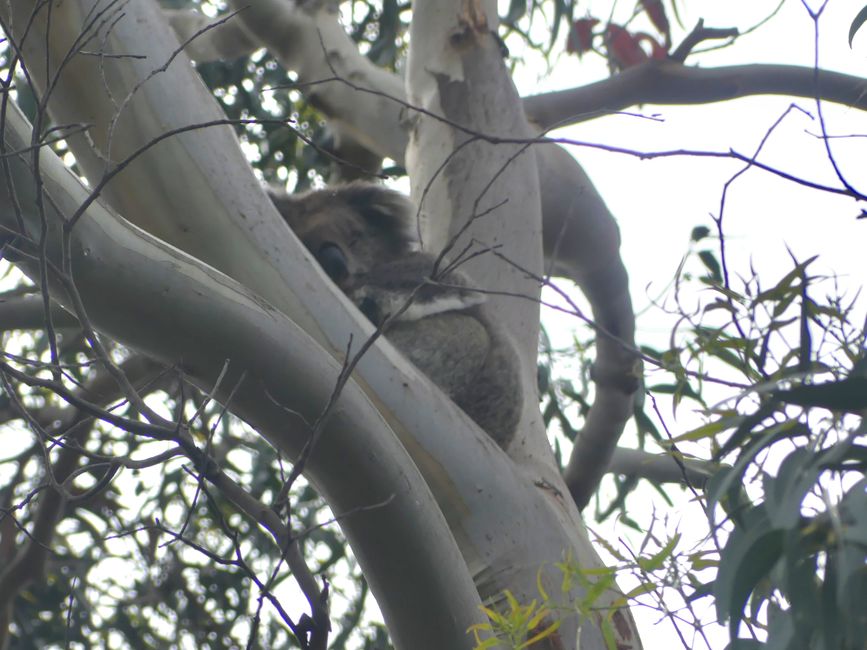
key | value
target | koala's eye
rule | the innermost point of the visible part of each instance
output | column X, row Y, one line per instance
column 333, row 261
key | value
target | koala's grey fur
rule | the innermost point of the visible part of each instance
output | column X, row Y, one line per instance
column 361, row 234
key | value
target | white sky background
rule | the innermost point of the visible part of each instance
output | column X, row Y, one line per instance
column 658, row 202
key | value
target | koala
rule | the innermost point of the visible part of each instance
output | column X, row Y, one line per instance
column 361, row 235
column 349, row 228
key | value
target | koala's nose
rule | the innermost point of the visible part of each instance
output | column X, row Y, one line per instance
column 333, row 261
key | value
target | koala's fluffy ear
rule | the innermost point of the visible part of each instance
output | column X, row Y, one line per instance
column 390, row 212
column 380, row 214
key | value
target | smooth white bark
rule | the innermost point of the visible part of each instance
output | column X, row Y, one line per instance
column 198, row 193
column 208, row 39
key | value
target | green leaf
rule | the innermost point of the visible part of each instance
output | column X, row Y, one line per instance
column 709, row 260
column 749, row 555
column 658, row 559
column 708, row 430
column 517, row 9
column 848, row 394
column 860, row 19
column 783, row 286
column 797, row 573
column 699, row 233
column 744, row 644
column 645, row 425
column 854, row 507
column 640, row 590
column 785, row 493
column 562, row 9
column 728, row 480
column 746, row 426
column 679, row 390
column 781, row 635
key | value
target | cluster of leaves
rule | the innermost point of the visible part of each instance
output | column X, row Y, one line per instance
column 781, row 378
column 242, row 86
column 522, row 16
column 518, row 626
column 794, row 496
column 659, row 566
column 622, row 47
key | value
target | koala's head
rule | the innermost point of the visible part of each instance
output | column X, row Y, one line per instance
column 350, row 228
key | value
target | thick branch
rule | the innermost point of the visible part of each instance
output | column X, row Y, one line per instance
column 307, row 39
column 228, row 41
column 669, row 82
column 587, row 241
column 663, row 82
column 475, row 195
column 661, row 468
column 28, row 312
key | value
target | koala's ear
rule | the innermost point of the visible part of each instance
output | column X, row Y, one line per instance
column 389, row 212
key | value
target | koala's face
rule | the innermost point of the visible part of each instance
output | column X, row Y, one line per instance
column 343, row 243
column 350, row 229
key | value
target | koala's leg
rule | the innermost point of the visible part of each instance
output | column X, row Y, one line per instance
column 495, row 399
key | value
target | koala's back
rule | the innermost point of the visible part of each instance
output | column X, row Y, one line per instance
column 463, row 354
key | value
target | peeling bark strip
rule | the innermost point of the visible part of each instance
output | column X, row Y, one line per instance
column 473, row 21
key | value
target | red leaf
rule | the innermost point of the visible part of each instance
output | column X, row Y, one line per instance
column 624, row 49
column 657, row 49
column 580, row 38
column 656, row 12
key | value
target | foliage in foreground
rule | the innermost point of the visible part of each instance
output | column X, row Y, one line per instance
column 780, row 376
